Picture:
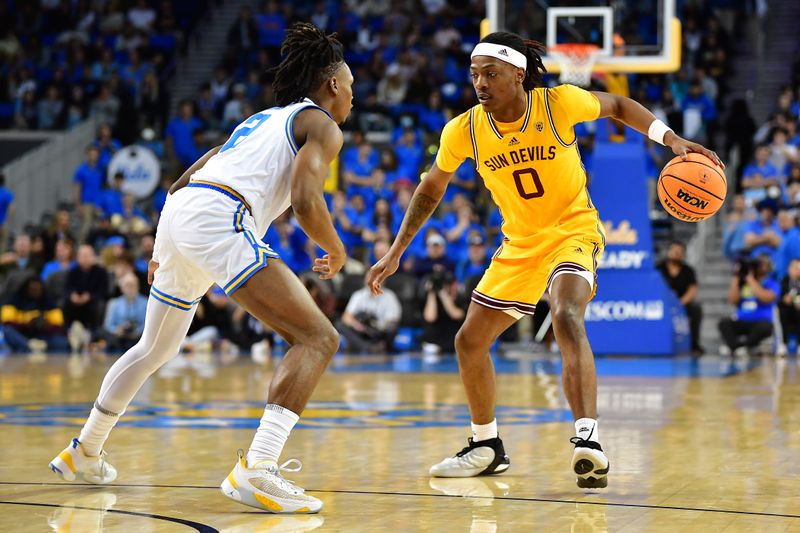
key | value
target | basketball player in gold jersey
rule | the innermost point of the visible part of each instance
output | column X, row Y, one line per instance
column 521, row 138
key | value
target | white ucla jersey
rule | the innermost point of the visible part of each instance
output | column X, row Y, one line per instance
column 255, row 162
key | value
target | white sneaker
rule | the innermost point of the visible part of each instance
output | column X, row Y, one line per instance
column 724, row 350
column 262, row 486
column 781, row 350
column 481, row 458
column 590, row 464
column 73, row 463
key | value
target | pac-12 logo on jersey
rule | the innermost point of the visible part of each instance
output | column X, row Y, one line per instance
column 539, row 126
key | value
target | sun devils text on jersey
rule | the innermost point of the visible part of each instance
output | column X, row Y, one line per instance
column 534, row 172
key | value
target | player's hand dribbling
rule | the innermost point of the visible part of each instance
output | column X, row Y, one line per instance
column 329, row 265
column 381, row 270
column 681, row 147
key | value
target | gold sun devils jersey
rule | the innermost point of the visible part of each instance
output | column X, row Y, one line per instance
column 532, row 168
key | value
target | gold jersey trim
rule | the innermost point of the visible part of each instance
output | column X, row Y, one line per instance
column 552, row 124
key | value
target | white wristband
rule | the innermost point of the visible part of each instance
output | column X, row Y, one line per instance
column 657, row 130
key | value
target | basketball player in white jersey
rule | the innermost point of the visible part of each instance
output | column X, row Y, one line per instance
column 209, row 233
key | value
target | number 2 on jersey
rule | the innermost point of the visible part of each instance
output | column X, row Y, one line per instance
column 538, row 190
column 248, row 127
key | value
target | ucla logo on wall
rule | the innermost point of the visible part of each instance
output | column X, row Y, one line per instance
column 623, row 233
column 235, row 414
column 141, row 169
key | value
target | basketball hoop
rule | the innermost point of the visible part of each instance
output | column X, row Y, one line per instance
column 576, row 61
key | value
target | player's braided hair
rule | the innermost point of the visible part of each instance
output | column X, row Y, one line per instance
column 532, row 51
column 309, row 58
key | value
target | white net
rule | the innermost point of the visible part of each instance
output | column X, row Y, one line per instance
column 576, row 62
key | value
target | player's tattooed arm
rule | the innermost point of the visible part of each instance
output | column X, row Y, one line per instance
column 427, row 196
column 420, row 209
column 200, row 163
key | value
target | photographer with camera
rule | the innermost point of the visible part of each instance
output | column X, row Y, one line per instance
column 124, row 321
column 754, row 294
column 369, row 322
column 444, row 312
column 789, row 308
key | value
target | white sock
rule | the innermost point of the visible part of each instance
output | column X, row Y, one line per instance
column 274, row 429
column 586, row 428
column 484, row 431
column 96, row 430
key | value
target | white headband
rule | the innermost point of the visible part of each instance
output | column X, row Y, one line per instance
column 501, row 52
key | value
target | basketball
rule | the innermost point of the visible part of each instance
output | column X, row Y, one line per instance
column 692, row 189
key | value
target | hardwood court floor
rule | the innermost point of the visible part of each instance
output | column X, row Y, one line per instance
column 710, row 445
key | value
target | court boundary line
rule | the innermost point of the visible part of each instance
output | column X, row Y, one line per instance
column 201, row 528
column 431, row 495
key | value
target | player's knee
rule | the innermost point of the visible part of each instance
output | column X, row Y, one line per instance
column 327, row 340
column 468, row 345
column 568, row 317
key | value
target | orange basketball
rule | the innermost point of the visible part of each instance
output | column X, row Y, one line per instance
column 692, row 189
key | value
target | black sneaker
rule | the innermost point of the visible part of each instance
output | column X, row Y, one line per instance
column 482, row 458
column 590, row 464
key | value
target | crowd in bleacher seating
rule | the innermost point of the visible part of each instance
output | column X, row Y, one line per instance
column 763, row 222
column 64, row 61
column 410, row 61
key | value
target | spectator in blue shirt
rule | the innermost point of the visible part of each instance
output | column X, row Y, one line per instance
column 754, row 293
column 476, row 262
column 6, row 210
column 89, row 180
column 132, row 220
column 698, row 102
column 737, row 223
column 759, row 176
column 358, row 171
column 290, row 243
column 457, row 227
column 390, row 168
column 271, row 26
column 63, row 260
column 107, row 145
column 350, row 219
column 763, row 236
column 112, row 197
column 180, row 135
column 464, row 181
column 410, row 153
column 381, row 221
column 124, row 320
column 432, row 117
column 787, row 249
column 160, row 195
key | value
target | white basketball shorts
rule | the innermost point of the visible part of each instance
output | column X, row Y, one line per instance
column 206, row 235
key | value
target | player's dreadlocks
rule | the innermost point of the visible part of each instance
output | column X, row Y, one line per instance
column 309, row 58
column 532, row 51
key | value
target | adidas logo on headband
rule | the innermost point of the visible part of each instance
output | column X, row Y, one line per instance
column 501, row 52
